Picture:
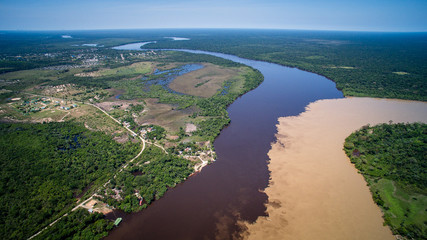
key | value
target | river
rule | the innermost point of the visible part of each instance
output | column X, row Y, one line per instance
column 315, row 192
column 211, row 204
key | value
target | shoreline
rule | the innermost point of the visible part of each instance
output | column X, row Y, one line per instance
column 314, row 191
column 236, row 193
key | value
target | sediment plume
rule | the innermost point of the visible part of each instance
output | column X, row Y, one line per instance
column 314, row 191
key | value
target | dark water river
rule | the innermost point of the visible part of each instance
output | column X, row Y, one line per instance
column 209, row 204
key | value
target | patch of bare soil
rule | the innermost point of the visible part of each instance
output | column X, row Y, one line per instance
column 189, row 128
column 123, row 104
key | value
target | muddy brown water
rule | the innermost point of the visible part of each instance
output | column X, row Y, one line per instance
column 210, row 204
column 315, row 192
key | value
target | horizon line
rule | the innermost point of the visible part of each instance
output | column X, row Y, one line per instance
column 208, row 28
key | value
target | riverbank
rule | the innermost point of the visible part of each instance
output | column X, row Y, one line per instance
column 241, row 167
column 314, row 190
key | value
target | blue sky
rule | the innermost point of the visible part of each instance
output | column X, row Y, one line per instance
column 358, row 15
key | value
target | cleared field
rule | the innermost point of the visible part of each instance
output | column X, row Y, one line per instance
column 204, row 82
column 136, row 68
column 94, row 119
column 342, row 67
column 8, row 112
column 5, row 68
column 166, row 66
column 90, row 116
column 315, row 57
column 403, row 208
column 401, row 73
column 163, row 115
column 50, row 115
column 30, row 74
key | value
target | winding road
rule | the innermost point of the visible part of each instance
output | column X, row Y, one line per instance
column 121, row 169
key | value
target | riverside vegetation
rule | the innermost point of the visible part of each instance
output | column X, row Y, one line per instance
column 57, row 149
column 390, row 65
column 392, row 158
column 42, row 75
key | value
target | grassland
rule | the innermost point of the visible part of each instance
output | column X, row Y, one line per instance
column 85, row 114
column 342, row 67
column 27, row 75
column 19, row 80
column 37, row 80
column 401, row 73
column 95, row 120
column 130, row 70
column 401, row 204
column 46, row 74
column 205, row 82
column 164, row 115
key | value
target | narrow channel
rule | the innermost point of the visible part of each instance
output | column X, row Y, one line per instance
column 210, row 204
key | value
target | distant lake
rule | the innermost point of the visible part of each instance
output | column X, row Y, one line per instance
column 132, row 46
column 178, row 38
column 209, row 204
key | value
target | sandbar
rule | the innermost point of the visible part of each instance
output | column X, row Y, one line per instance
column 314, row 191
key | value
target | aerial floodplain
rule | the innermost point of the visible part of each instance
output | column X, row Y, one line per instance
column 222, row 120
column 160, row 133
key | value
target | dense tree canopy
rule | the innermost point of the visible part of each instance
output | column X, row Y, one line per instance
column 393, row 160
column 45, row 166
column 150, row 178
column 79, row 224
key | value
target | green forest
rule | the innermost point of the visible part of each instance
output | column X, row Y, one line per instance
column 390, row 65
column 150, row 178
column 393, row 160
column 79, row 224
column 44, row 167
